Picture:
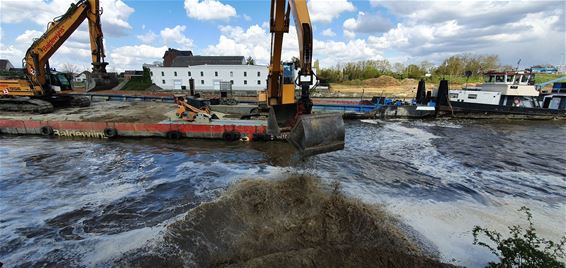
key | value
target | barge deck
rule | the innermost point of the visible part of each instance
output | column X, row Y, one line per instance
column 129, row 119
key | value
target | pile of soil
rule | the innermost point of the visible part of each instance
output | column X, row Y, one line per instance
column 286, row 223
column 382, row 81
column 409, row 82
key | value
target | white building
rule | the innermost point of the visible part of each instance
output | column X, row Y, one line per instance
column 208, row 77
column 80, row 77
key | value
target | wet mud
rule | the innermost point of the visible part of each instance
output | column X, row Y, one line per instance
column 294, row 222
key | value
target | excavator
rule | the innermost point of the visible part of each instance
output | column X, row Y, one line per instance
column 38, row 89
column 288, row 116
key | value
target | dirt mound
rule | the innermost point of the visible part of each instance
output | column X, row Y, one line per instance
column 409, row 82
column 382, row 81
column 289, row 223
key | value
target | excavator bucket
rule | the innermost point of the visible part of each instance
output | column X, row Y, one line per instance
column 318, row 133
column 101, row 81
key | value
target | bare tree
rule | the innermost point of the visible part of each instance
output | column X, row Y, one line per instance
column 70, row 68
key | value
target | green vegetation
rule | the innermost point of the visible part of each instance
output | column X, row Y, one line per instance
column 523, row 248
column 453, row 68
column 139, row 83
column 541, row 78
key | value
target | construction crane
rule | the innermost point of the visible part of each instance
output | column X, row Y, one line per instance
column 39, row 83
column 309, row 133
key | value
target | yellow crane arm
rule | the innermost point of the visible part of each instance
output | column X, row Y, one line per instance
column 279, row 24
column 58, row 31
column 310, row 133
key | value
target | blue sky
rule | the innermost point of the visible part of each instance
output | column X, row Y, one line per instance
column 139, row 31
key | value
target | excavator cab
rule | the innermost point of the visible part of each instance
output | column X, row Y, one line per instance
column 59, row 82
column 291, row 117
column 310, row 133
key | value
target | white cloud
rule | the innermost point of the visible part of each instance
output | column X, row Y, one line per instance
column 433, row 30
column 26, row 38
column 328, row 32
column 147, row 38
column 366, row 23
column 247, row 18
column 255, row 41
column 114, row 18
column 175, row 36
column 209, row 10
column 327, row 10
column 234, row 41
column 132, row 57
column 330, row 53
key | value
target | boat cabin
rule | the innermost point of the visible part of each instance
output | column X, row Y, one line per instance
column 510, row 83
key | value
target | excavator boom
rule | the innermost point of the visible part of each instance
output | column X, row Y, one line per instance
column 309, row 133
column 58, row 31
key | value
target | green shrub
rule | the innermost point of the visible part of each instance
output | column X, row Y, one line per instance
column 523, row 248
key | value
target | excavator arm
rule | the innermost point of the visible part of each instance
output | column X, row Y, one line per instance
column 58, row 31
column 310, row 133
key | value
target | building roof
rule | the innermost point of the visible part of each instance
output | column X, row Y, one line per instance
column 5, row 65
column 184, row 61
column 178, row 53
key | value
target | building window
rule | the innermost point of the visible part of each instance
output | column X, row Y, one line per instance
column 232, row 82
column 202, row 82
column 216, row 74
column 175, row 73
column 189, row 74
column 245, row 74
column 245, row 82
column 151, row 73
column 162, row 73
column 259, row 82
column 231, row 74
column 258, row 74
column 201, row 73
column 163, row 81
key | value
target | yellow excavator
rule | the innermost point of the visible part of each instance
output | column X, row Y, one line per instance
column 288, row 116
column 38, row 89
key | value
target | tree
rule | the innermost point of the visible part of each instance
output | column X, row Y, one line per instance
column 414, row 71
column 398, row 67
column 426, row 66
column 296, row 62
column 316, row 66
column 250, row 61
column 70, row 68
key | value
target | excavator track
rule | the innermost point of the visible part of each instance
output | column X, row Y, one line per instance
column 23, row 105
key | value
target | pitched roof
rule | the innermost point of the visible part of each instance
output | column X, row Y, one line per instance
column 184, row 61
column 5, row 65
column 178, row 53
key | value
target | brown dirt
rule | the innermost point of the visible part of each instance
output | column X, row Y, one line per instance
column 382, row 81
column 410, row 82
column 129, row 112
column 286, row 223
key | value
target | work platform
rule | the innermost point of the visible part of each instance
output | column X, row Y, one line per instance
column 129, row 119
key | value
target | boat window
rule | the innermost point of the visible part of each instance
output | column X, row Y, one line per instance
column 500, row 78
column 453, row 95
column 518, row 79
column 472, row 96
column 525, row 79
column 510, row 78
column 489, row 79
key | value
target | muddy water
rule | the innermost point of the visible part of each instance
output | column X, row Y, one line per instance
column 85, row 202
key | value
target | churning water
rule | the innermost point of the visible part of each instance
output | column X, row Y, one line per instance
column 71, row 202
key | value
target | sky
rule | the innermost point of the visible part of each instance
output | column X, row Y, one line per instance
column 139, row 31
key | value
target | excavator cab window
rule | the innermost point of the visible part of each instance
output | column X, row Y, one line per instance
column 288, row 73
column 60, row 80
